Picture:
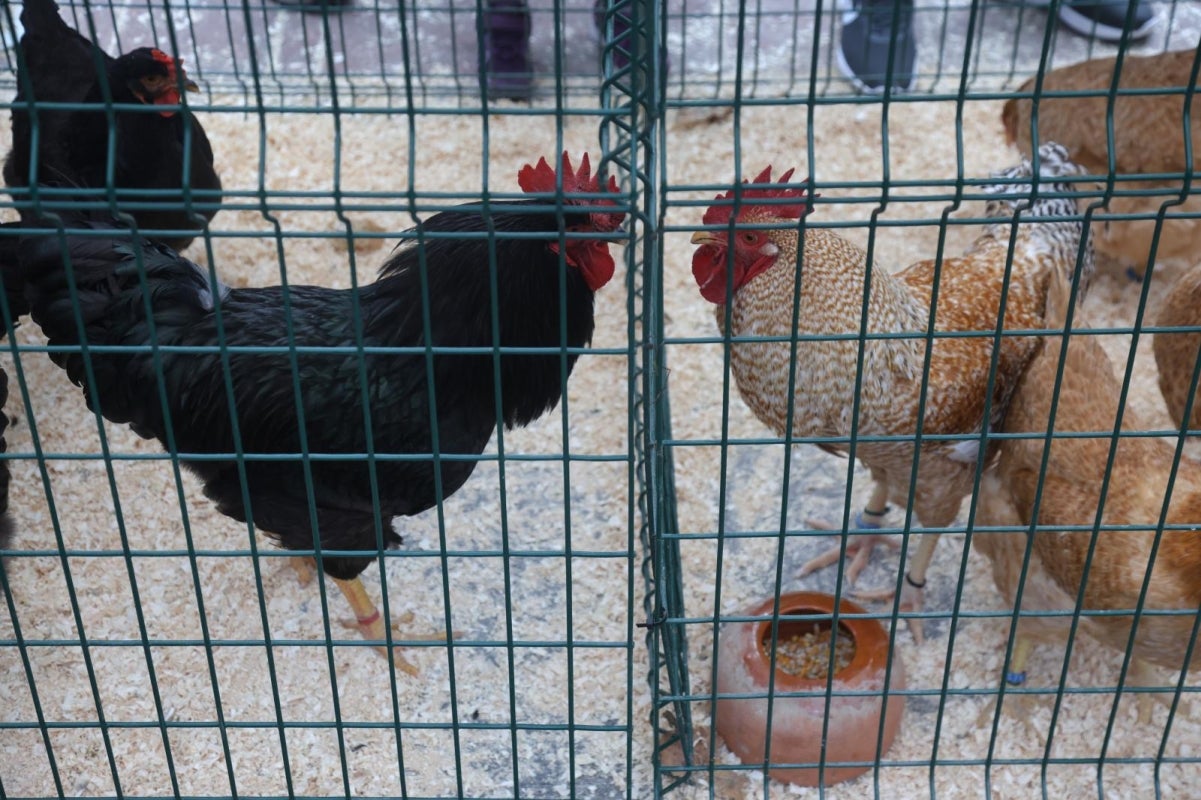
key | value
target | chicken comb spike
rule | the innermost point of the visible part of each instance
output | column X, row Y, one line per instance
column 541, row 178
column 163, row 58
column 761, row 188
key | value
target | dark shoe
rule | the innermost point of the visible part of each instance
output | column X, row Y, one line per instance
column 315, row 6
column 507, row 49
column 1106, row 19
column 866, row 38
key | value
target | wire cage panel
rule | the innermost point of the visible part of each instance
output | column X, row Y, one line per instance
column 390, row 56
column 153, row 646
column 594, row 561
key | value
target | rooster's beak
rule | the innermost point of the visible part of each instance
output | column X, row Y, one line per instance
column 191, row 85
column 705, row 237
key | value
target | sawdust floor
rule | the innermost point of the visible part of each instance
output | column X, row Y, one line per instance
column 541, row 681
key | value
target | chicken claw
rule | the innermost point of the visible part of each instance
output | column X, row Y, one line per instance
column 1020, row 706
column 370, row 623
column 913, row 598
column 862, row 546
column 372, row 627
column 913, row 588
column 1143, row 674
column 1017, row 706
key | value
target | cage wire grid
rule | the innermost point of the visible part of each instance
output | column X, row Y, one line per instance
column 153, row 648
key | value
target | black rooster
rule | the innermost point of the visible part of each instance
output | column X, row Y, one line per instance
column 60, row 66
column 450, row 260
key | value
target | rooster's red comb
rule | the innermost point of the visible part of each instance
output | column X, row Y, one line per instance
column 720, row 214
column 541, row 178
column 164, row 59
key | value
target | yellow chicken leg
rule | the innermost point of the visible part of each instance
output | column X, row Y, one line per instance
column 367, row 618
column 369, row 622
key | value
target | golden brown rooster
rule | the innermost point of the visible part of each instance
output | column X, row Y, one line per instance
column 1140, row 485
column 1176, row 353
column 1148, row 136
column 832, row 273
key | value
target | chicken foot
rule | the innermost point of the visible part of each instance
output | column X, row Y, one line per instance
column 1141, row 674
column 862, row 545
column 368, row 620
column 1021, row 706
column 1144, row 674
column 913, row 589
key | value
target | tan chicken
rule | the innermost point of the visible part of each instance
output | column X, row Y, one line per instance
column 1148, row 135
column 832, row 276
column 1176, row 353
column 1137, row 490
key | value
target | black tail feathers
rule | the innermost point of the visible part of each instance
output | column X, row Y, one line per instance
column 11, row 283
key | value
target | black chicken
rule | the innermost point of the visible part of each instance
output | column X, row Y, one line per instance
column 60, row 66
column 449, row 259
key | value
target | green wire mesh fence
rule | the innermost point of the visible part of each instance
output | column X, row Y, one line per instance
column 595, row 562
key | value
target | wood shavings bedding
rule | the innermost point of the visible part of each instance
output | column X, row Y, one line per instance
column 220, row 588
column 847, row 144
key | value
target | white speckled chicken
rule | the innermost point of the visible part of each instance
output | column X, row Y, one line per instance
column 831, row 273
column 1138, row 489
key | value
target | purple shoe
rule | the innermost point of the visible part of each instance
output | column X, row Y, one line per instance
column 621, row 30
column 507, row 50
column 621, row 35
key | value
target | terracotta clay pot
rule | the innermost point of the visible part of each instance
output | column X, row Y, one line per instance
column 854, row 725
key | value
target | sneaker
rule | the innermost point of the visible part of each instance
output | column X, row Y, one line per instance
column 507, row 50
column 1106, row 19
column 866, row 38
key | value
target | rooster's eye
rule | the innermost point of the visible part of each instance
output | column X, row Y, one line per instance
column 750, row 237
